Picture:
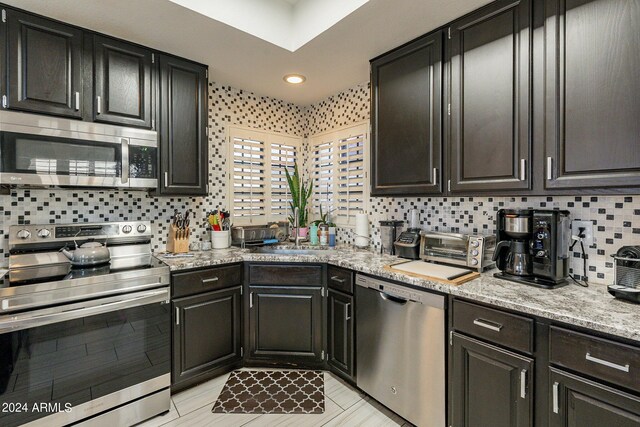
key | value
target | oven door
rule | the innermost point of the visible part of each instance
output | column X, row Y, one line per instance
column 444, row 247
column 74, row 361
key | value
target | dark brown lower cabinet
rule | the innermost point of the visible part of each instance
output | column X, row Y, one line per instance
column 340, row 334
column 578, row 402
column 491, row 387
column 207, row 333
column 285, row 324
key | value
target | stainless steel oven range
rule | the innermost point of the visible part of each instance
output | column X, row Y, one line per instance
column 88, row 341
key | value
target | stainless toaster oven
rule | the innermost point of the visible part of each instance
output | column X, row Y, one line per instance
column 470, row 250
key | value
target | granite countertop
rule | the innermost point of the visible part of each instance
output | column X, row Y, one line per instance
column 592, row 308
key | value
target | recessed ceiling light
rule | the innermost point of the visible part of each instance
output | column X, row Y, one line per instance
column 294, row 79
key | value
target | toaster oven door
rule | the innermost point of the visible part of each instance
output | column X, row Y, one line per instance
column 445, row 247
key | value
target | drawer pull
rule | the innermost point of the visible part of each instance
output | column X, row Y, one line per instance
column 211, row 280
column 623, row 368
column 337, row 279
column 488, row 325
column 556, row 406
column 523, row 384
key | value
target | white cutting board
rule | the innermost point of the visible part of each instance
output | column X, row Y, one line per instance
column 431, row 270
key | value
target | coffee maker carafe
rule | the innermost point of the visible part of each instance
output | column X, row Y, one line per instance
column 533, row 246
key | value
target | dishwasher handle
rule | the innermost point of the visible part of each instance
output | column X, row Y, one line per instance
column 388, row 297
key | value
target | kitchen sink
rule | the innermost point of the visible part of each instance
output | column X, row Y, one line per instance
column 271, row 250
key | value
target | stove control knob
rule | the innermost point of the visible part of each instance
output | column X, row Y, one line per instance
column 474, row 261
column 475, row 243
column 24, row 234
column 44, row 233
column 126, row 229
column 141, row 228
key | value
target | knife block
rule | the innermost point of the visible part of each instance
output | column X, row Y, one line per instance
column 178, row 240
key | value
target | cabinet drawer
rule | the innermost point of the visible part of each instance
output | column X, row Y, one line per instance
column 600, row 358
column 285, row 274
column 340, row 279
column 497, row 326
column 194, row 282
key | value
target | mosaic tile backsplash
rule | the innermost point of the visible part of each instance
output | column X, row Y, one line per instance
column 616, row 219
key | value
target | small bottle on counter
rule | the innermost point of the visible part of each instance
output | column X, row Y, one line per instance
column 332, row 236
column 313, row 234
column 323, row 233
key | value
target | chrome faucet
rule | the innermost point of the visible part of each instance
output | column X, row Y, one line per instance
column 296, row 224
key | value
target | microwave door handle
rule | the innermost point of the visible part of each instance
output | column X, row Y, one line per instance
column 125, row 160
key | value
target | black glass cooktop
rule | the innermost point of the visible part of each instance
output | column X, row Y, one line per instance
column 65, row 271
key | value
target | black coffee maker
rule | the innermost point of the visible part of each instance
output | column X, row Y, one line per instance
column 533, row 246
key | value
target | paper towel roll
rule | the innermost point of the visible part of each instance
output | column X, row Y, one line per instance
column 362, row 230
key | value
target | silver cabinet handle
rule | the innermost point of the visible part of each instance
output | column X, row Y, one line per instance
column 250, row 299
column 549, row 168
column 556, row 405
column 523, row 383
column 347, row 311
column 98, row 105
column 125, row 160
column 523, row 169
column 337, row 279
column 435, row 176
column 211, row 280
column 177, row 316
column 623, row 368
column 77, row 101
column 166, row 179
column 487, row 325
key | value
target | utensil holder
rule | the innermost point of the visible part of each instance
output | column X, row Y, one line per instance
column 220, row 239
column 178, row 240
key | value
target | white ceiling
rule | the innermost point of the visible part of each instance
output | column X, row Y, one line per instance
column 336, row 59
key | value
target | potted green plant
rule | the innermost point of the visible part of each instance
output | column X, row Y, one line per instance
column 300, row 195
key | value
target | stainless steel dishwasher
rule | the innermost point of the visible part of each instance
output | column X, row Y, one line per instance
column 401, row 349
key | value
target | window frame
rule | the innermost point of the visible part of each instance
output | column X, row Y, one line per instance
column 268, row 139
column 336, row 135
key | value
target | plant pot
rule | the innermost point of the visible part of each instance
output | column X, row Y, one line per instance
column 303, row 232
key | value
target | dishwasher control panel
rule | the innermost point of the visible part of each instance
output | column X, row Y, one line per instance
column 399, row 291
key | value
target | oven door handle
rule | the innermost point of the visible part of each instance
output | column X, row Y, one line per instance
column 47, row 316
column 445, row 236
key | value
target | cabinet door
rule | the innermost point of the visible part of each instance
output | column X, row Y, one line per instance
column 340, row 333
column 592, row 86
column 207, row 332
column 44, row 65
column 491, row 387
column 406, row 126
column 122, row 83
column 183, row 125
column 490, row 99
column 578, row 402
column 285, row 323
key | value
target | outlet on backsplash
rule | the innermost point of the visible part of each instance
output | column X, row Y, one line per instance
column 587, row 232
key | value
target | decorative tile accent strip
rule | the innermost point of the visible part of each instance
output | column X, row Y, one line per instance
column 272, row 392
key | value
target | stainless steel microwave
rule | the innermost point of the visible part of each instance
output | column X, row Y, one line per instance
column 51, row 151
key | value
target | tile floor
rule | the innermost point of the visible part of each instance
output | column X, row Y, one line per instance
column 344, row 406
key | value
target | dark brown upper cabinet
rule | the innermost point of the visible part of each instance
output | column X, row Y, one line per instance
column 44, row 70
column 489, row 96
column 122, row 83
column 592, row 106
column 406, row 131
column 183, row 127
